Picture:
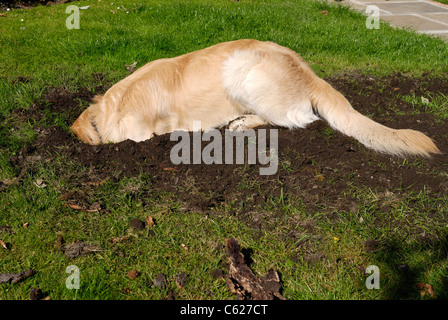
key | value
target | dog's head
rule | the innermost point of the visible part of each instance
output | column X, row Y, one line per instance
column 85, row 127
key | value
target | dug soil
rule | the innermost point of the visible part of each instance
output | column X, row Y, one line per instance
column 316, row 164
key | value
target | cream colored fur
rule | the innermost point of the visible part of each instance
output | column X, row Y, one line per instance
column 216, row 85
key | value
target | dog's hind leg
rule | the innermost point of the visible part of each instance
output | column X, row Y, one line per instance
column 269, row 86
column 245, row 122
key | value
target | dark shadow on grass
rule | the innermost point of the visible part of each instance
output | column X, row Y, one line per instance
column 405, row 277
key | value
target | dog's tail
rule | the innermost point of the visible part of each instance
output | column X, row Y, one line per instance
column 85, row 126
column 337, row 111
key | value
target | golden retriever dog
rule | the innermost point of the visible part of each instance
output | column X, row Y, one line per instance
column 257, row 82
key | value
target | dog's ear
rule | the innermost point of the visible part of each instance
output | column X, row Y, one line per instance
column 84, row 128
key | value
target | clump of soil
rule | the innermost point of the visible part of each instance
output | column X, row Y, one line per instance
column 244, row 283
column 316, row 164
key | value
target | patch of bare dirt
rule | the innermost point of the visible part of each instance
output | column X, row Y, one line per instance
column 316, row 164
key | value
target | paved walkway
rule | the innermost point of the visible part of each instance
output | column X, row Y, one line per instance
column 421, row 15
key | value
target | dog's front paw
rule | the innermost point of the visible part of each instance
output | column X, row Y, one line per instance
column 238, row 124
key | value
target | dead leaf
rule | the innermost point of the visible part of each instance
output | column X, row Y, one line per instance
column 96, row 183
column 150, row 221
column 25, row 225
column 78, row 248
column 74, row 206
column 40, row 183
column 60, row 242
column 324, row 12
column 131, row 67
column 119, row 239
column 132, row 274
column 430, row 290
column 95, row 207
column 33, row 158
column 425, row 288
column 420, row 286
column 8, row 182
column 3, row 244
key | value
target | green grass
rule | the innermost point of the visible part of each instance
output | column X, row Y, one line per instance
column 442, row 1
column 43, row 51
column 434, row 103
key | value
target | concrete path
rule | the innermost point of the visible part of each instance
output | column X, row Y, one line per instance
column 424, row 16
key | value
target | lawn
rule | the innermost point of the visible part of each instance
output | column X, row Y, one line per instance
column 318, row 222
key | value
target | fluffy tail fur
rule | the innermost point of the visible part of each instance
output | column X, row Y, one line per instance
column 333, row 107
